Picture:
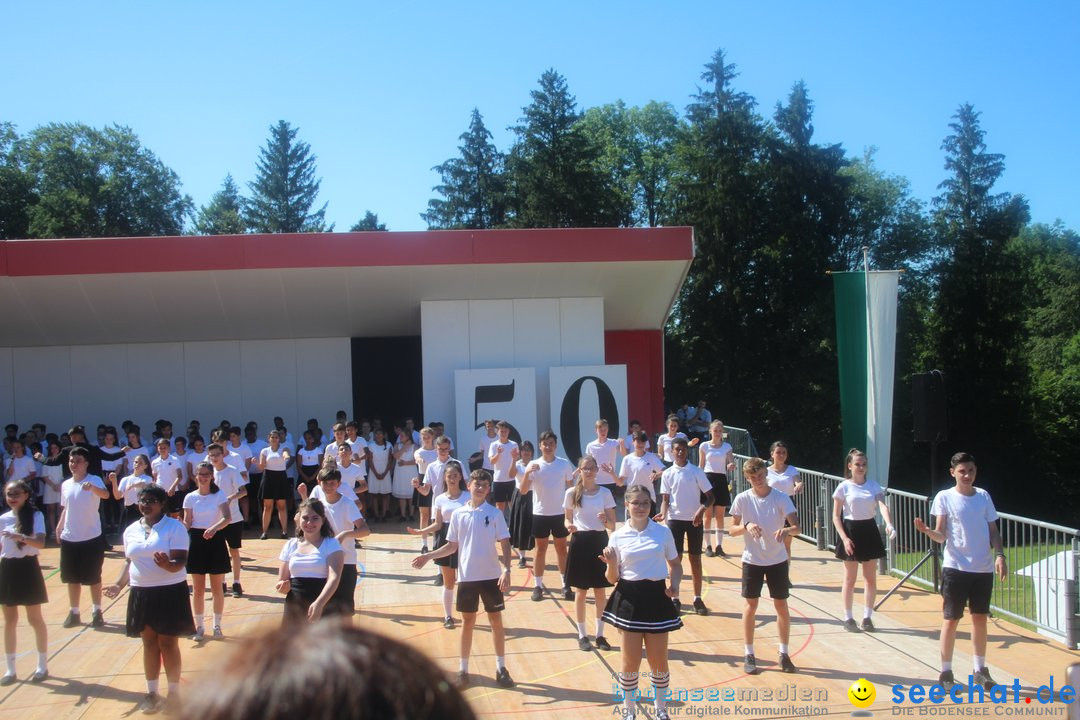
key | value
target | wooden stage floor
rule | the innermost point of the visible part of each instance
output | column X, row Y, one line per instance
column 98, row 673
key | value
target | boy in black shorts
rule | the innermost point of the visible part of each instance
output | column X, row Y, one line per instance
column 965, row 521
column 474, row 530
column 759, row 514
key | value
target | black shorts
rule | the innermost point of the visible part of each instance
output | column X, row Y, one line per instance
column 421, row 499
column 502, row 491
column 693, row 534
column 234, row 535
column 753, row 576
column 469, row 595
column 553, row 525
column 80, row 562
column 960, row 588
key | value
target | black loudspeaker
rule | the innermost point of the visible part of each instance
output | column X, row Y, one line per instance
column 929, row 408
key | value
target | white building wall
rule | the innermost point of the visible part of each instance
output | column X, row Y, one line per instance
column 209, row 381
column 489, row 334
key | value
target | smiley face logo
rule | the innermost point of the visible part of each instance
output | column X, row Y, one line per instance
column 862, row 693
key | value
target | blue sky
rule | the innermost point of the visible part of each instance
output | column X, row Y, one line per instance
column 381, row 92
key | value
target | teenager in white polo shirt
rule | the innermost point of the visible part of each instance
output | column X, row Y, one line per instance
column 759, row 514
column 965, row 521
column 685, row 497
column 501, row 454
column 642, row 467
column 548, row 478
column 82, row 546
column 430, row 485
column 474, row 530
column 165, row 469
column 606, row 452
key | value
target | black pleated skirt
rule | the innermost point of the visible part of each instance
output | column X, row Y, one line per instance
column 584, row 568
column 165, row 609
column 641, row 606
column 449, row 561
column 207, row 557
column 21, row 582
column 867, row 539
column 521, row 515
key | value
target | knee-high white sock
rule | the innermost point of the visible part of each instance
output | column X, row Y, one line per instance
column 10, row 657
column 660, row 683
column 628, row 683
column 447, row 601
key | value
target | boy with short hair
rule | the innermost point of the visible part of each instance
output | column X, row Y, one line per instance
column 549, row 476
column 234, row 485
column 965, row 522
column 500, row 457
column 474, row 530
column 759, row 514
column 605, row 451
column 685, row 496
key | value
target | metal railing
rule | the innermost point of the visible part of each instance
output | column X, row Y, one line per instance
column 1040, row 589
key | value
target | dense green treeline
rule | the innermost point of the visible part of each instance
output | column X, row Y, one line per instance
column 986, row 296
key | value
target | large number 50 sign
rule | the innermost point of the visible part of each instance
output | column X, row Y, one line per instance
column 508, row 394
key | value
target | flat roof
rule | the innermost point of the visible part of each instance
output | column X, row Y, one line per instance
column 88, row 291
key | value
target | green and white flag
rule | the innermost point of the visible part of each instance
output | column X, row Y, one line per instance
column 866, row 350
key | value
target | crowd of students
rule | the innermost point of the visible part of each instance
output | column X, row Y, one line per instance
column 181, row 512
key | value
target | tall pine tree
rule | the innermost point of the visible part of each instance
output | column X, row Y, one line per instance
column 285, row 186
column 473, row 186
column 223, row 214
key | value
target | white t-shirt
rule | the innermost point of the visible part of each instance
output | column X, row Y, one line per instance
column 444, row 505
column 165, row 470
column 549, row 485
column 130, row 485
column 342, row 516
column 9, row 522
column 860, row 501
column 310, row 565
column 309, row 457
column 81, row 521
column 715, row 457
column 663, row 445
column 205, row 509
column 476, row 531
column 643, row 555
column 23, row 467
column 684, row 486
column 604, row 452
column 783, row 481
column 241, row 450
column 424, row 458
column 967, row 529
column 346, row 492
column 350, row 477
column 230, row 480
column 769, row 513
column 505, row 461
column 272, row 459
column 585, row 515
column 255, row 448
column 520, row 466
column 638, row 471
column 140, row 545
column 359, row 449
column 484, row 448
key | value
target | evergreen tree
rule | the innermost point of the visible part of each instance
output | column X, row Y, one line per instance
column 473, row 185
column 370, row 221
column 285, row 187
column 552, row 166
column 223, row 214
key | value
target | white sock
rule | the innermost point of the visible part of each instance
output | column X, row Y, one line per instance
column 500, row 662
column 628, row 682
column 538, row 580
column 10, row 657
column 200, row 622
column 42, row 662
column 660, row 683
column 174, row 688
column 447, row 601
column 463, row 665
column 696, row 598
column 783, row 649
column 152, row 686
column 74, row 611
column 867, row 612
column 978, row 662
column 599, row 627
column 748, row 649
column 94, row 607
column 217, row 619
column 946, row 665
column 717, row 536
column 581, row 630
column 847, row 615
column 562, row 580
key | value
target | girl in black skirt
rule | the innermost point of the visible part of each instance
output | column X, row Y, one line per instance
column 641, row 555
column 717, row 459
column 206, row 514
column 521, row 514
column 441, row 508
column 311, row 564
column 22, row 536
column 590, row 513
column 277, row 489
column 855, row 504
column 158, row 611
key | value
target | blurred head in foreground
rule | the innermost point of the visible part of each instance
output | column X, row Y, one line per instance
column 325, row 671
